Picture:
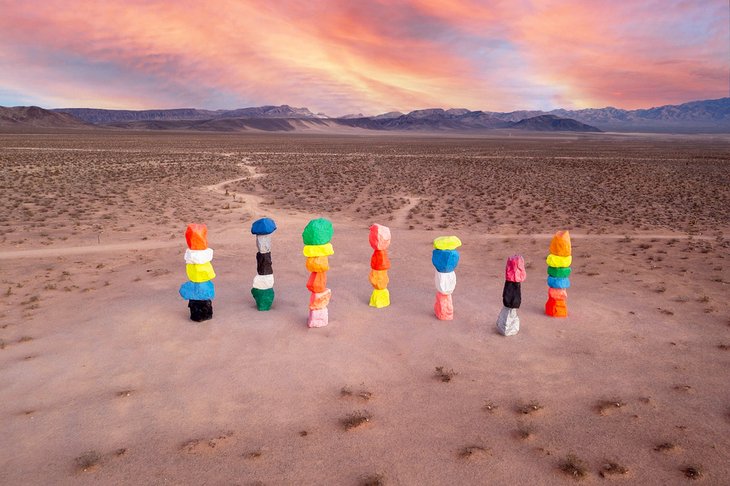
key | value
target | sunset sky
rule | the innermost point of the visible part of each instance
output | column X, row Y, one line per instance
column 343, row 57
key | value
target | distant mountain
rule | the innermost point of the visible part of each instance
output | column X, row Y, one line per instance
column 101, row 117
column 433, row 119
column 387, row 116
column 283, row 111
column 695, row 116
column 552, row 123
column 226, row 124
column 35, row 117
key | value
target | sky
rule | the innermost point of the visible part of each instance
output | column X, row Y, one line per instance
column 340, row 57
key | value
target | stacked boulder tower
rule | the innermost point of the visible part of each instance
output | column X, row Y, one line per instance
column 199, row 291
column 379, row 264
column 262, row 289
column 317, row 237
column 508, row 323
column 558, row 261
column 445, row 258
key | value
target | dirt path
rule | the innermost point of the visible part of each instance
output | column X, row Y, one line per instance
column 85, row 249
column 400, row 218
column 252, row 202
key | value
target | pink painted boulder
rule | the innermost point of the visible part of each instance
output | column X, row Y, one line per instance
column 515, row 271
column 318, row 318
column 444, row 307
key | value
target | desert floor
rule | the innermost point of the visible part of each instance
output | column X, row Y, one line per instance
column 105, row 380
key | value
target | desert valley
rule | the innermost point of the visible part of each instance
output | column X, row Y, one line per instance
column 105, row 379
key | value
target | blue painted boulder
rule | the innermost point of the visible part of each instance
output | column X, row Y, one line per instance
column 558, row 282
column 197, row 291
column 263, row 226
column 445, row 261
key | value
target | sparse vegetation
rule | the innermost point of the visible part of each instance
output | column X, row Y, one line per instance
column 444, row 375
column 612, row 468
column 574, row 467
column 87, row 461
column 467, row 452
column 356, row 419
column 529, row 407
column 604, row 406
column 373, row 480
column 665, row 447
column 346, row 391
column 490, row 406
column 255, row 454
column 525, row 431
column 692, row 472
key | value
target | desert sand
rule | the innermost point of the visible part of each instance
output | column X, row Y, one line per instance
column 105, row 380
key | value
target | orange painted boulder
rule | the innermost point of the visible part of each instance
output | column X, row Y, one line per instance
column 320, row 300
column 318, row 264
column 317, row 282
column 444, row 307
column 557, row 294
column 556, row 308
column 560, row 244
column 379, row 237
column 379, row 279
column 380, row 260
column 196, row 236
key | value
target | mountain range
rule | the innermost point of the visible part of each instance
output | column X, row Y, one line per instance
column 696, row 116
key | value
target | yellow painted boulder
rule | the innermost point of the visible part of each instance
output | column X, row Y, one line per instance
column 559, row 261
column 200, row 272
column 318, row 250
column 447, row 243
column 380, row 298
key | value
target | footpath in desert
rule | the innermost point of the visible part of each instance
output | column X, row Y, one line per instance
column 104, row 379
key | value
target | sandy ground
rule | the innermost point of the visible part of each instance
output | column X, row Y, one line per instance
column 104, row 380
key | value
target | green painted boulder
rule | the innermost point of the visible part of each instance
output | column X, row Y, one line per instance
column 263, row 297
column 318, row 232
column 558, row 272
